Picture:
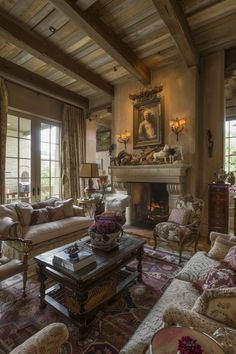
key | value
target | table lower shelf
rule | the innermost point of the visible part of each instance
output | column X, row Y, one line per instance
column 64, row 300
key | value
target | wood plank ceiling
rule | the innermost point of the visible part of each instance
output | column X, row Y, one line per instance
column 87, row 47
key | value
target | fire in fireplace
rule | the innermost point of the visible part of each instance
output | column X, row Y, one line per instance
column 149, row 204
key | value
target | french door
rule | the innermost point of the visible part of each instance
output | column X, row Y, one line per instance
column 32, row 158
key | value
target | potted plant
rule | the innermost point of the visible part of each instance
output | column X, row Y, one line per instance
column 105, row 233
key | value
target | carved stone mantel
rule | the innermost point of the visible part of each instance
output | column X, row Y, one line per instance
column 174, row 175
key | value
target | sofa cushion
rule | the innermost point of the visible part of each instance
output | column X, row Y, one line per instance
column 196, row 266
column 24, row 213
column 219, row 277
column 67, row 206
column 51, row 230
column 39, row 216
column 179, row 215
column 219, row 305
column 220, row 248
column 230, row 258
column 55, row 213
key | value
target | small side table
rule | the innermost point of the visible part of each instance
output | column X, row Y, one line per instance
column 166, row 341
column 89, row 206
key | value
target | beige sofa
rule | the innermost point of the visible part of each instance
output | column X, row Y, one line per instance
column 28, row 222
column 177, row 304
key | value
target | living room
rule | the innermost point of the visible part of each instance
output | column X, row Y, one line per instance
column 121, row 112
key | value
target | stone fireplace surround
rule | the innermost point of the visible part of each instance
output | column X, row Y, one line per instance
column 174, row 175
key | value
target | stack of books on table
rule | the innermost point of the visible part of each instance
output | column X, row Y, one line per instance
column 85, row 258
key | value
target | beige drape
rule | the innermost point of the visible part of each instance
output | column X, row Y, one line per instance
column 73, row 150
column 3, row 137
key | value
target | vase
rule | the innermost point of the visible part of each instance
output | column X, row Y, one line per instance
column 105, row 241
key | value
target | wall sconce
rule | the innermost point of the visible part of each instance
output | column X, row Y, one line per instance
column 177, row 125
column 123, row 137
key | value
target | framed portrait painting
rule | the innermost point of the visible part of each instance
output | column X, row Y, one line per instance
column 148, row 123
column 103, row 140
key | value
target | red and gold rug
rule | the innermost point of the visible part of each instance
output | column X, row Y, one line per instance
column 114, row 324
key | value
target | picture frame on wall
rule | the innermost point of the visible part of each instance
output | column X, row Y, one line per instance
column 103, row 140
column 148, row 123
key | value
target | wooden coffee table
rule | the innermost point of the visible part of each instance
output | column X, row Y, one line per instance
column 79, row 295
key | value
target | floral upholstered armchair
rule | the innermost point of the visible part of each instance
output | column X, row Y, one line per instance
column 50, row 340
column 182, row 226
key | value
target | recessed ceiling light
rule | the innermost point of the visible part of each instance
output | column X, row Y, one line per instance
column 52, row 29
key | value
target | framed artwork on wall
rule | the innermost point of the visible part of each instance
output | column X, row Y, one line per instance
column 103, row 140
column 148, row 118
column 148, row 122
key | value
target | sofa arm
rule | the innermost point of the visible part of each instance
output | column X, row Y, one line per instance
column 47, row 341
column 9, row 227
column 188, row 318
column 78, row 211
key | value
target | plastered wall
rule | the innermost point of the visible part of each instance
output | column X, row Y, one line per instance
column 180, row 91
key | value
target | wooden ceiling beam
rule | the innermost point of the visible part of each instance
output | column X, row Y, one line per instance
column 26, row 78
column 105, row 37
column 173, row 16
column 50, row 54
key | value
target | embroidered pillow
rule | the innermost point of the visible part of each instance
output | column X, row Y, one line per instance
column 220, row 248
column 67, row 205
column 45, row 203
column 230, row 258
column 24, row 213
column 39, row 216
column 55, row 213
column 218, row 277
column 218, row 304
column 180, row 216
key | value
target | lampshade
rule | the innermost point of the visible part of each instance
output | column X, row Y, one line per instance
column 88, row 170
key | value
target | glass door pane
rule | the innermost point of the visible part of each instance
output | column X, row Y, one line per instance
column 18, row 159
column 49, row 161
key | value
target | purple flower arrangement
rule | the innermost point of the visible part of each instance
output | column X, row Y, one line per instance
column 104, row 227
column 188, row 345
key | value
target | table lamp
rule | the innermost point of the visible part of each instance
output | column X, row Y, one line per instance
column 89, row 170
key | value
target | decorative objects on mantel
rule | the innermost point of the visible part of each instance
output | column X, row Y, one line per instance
column 147, row 117
column 149, row 156
column 123, row 137
column 177, row 126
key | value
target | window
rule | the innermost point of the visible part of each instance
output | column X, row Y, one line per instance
column 230, row 145
column 32, row 159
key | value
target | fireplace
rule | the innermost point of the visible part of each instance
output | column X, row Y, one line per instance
column 149, row 203
column 162, row 184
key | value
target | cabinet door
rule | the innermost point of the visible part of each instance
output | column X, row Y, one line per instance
column 218, row 205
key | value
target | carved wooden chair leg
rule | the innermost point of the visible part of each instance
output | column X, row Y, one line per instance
column 155, row 241
column 25, row 277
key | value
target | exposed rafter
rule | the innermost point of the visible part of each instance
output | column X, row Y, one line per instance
column 105, row 38
column 50, row 54
column 173, row 16
column 20, row 75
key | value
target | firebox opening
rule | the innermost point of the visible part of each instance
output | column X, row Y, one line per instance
column 149, row 204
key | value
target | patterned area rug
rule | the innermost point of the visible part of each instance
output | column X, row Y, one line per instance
column 114, row 324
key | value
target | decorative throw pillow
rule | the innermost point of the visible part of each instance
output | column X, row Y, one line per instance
column 218, row 277
column 180, row 216
column 220, row 248
column 39, row 216
column 218, row 304
column 45, row 203
column 24, row 213
column 78, row 211
column 230, row 258
column 55, row 213
column 67, row 205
